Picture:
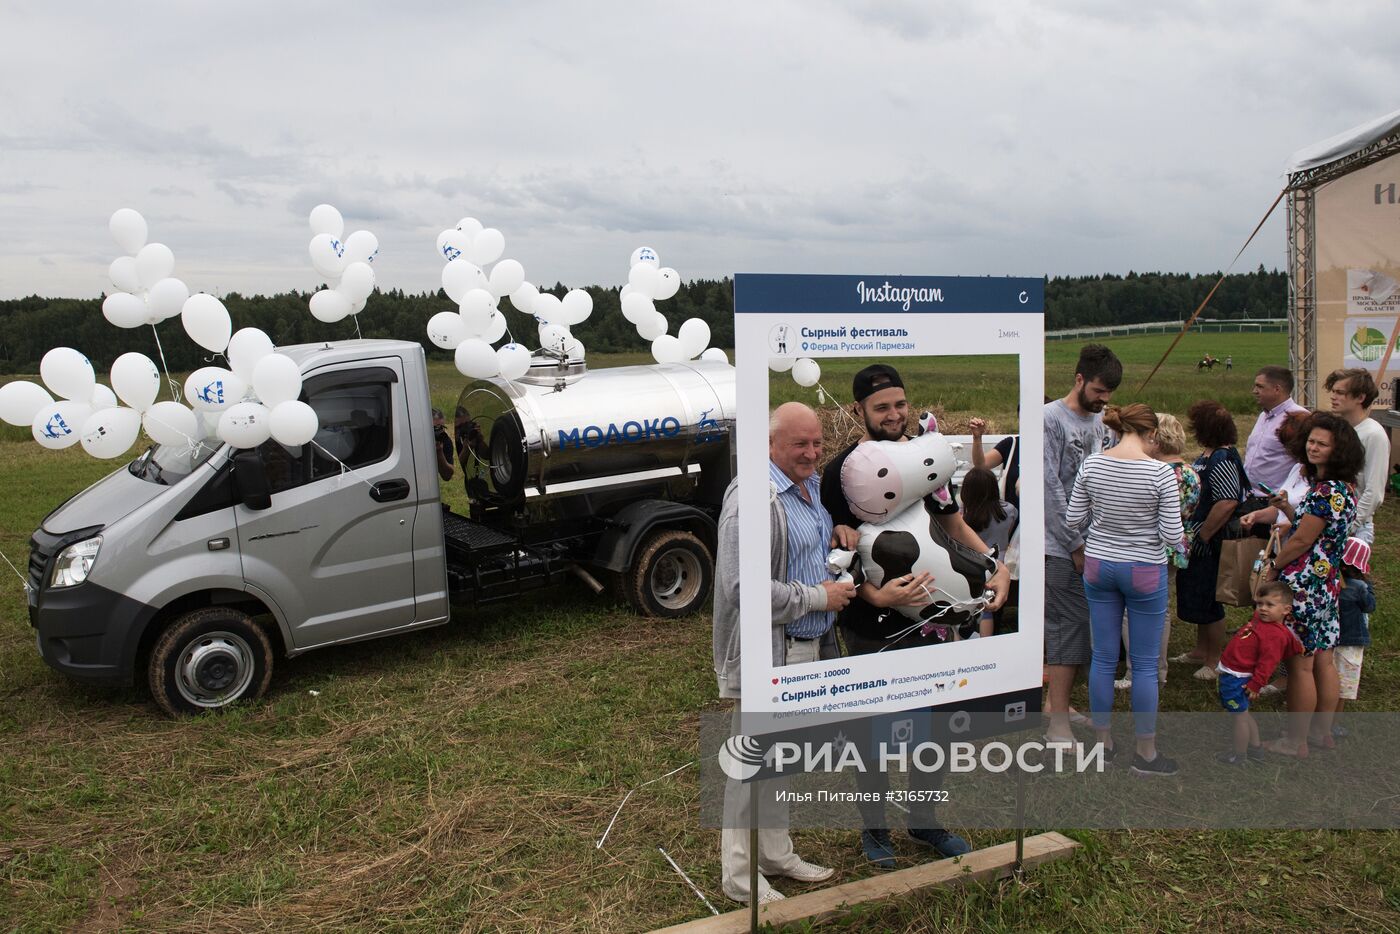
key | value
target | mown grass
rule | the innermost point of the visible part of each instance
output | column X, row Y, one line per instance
column 459, row 779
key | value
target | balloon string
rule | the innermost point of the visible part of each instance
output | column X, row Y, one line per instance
column 174, row 386
column 357, row 327
column 344, row 467
column 22, row 579
column 839, row 408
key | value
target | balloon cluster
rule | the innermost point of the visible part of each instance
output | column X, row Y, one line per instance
column 89, row 413
column 470, row 331
column 805, row 371
column 343, row 264
column 146, row 293
column 254, row 398
column 648, row 282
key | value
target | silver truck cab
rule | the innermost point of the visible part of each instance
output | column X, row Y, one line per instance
column 204, row 563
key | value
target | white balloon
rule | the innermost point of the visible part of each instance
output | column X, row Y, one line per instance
column 476, row 359
column 213, row 389
column 574, row 348
column 124, row 309
column 206, row 321
column 694, row 335
column 167, row 297
column 805, row 372
column 103, row 398
column 667, row 349
column 67, row 373
column 128, row 228
column 781, row 364
column 506, row 276
column 58, row 425
column 327, row 256
column 135, row 380
column 715, row 354
column 578, row 305
column 361, row 247
column 154, row 263
column 469, row 226
column 123, row 274
column 644, row 254
column 329, row 306
column 461, row 276
column 644, row 279
column 21, row 400
column 524, row 297
column 554, row 337
column 513, row 360
column 494, row 329
column 245, row 349
column 171, row 423
column 476, row 307
column 276, row 379
column 452, row 244
column 487, row 246
column 245, row 425
column 637, row 308
column 668, row 283
column 111, row 432
column 549, row 309
column 357, row 282
column 446, row 330
column 293, row 423
column 652, row 326
column 325, row 219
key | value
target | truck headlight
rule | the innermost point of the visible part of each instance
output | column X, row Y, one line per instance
column 74, row 562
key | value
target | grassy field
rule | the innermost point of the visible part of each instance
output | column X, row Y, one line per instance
column 458, row 779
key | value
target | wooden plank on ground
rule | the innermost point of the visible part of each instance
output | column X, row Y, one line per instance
column 994, row 862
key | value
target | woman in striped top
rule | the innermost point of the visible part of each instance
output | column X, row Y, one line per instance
column 1132, row 505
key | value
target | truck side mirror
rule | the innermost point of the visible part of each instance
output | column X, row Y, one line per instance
column 250, row 479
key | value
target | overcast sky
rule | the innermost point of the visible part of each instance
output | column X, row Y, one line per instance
column 862, row 137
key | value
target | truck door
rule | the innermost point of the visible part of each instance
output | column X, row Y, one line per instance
column 335, row 550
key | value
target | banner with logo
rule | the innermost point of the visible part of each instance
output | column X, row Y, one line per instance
column 963, row 347
column 1357, row 257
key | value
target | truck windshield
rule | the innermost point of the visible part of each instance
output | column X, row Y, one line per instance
column 168, row 464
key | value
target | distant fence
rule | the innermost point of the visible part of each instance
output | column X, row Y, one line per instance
column 1202, row 326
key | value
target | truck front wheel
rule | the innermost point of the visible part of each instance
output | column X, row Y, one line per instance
column 671, row 576
column 209, row 659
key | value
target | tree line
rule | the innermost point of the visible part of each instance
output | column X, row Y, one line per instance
column 31, row 326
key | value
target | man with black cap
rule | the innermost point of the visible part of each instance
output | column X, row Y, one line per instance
column 869, row 622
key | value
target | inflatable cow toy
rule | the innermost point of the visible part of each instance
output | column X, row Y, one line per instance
column 885, row 483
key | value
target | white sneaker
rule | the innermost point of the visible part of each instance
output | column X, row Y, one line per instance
column 803, row 871
column 1204, row 673
column 769, row 896
column 1123, row 684
column 1268, row 689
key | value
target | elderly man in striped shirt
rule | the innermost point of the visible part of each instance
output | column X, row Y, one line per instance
column 804, row 603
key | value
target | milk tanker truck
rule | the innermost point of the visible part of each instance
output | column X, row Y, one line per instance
column 193, row 568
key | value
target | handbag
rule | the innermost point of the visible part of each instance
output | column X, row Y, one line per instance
column 1256, row 576
column 1232, row 583
column 1012, row 558
column 1006, row 467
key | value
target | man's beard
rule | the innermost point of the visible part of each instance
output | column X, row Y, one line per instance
column 1090, row 405
column 878, row 432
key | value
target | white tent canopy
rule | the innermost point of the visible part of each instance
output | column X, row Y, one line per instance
column 1343, row 144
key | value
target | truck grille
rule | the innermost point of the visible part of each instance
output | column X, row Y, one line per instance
column 39, row 560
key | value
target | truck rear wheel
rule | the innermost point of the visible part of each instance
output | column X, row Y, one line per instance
column 209, row 659
column 672, row 575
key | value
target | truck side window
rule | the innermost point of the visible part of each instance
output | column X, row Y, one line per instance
column 356, row 429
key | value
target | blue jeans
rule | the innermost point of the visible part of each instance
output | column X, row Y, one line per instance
column 1141, row 589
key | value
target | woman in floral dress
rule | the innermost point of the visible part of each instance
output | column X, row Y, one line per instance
column 1310, row 563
